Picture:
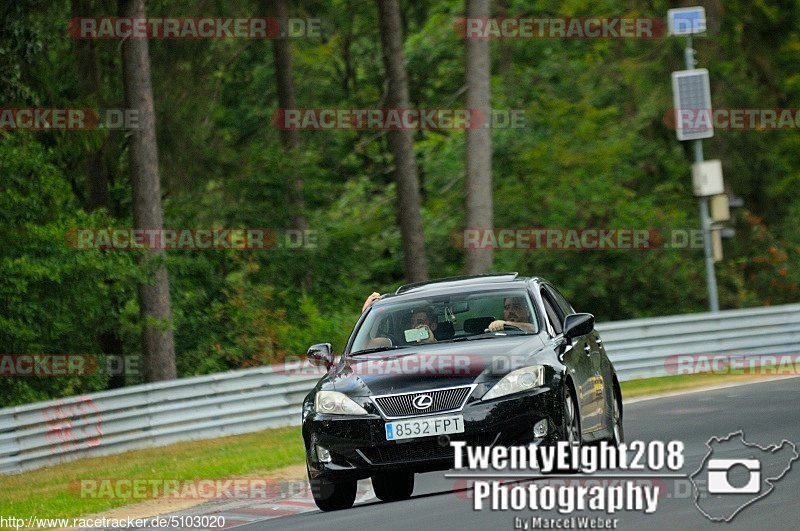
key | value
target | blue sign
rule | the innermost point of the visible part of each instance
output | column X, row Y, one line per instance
column 686, row 20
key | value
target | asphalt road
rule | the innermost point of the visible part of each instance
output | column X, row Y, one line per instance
column 767, row 413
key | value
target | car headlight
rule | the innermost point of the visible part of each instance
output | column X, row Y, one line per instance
column 523, row 379
column 336, row 403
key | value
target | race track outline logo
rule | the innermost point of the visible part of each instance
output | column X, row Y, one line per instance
column 759, row 483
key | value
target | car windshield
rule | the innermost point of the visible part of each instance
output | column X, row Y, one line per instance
column 446, row 318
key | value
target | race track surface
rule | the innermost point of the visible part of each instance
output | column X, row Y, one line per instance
column 767, row 413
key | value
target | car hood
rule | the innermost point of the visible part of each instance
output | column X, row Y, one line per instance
column 431, row 366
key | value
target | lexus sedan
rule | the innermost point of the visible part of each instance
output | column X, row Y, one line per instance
column 488, row 360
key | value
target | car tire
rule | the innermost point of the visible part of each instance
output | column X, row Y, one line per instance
column 330, row 495
column 617, row 431
column 570, row 426
column 393, row 486
column 572, row 419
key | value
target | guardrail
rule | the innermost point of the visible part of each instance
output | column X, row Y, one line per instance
column 47, row 433
column 643, row 348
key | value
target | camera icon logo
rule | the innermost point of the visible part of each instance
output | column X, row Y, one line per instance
column 718, row 482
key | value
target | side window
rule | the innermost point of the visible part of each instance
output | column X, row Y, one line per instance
column 552, row 314
column 566, row 308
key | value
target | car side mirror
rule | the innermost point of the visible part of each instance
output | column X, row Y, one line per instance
column 320, row 354
column 578, row 324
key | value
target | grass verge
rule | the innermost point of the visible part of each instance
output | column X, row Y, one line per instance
column 668, row 384
column 46, row 493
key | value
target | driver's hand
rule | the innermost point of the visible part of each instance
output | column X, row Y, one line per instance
column 496, row 326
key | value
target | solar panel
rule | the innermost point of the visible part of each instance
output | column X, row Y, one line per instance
column 691, row 94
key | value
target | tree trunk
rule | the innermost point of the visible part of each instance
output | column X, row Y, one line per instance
column 290, row 138
column 158, row 343
column 89, row 83
column 479, row 142
column 99, row 195
column 402, row 146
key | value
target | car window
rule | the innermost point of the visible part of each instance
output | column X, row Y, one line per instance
column 566, row 307
column 552, row 314
column 444, row 318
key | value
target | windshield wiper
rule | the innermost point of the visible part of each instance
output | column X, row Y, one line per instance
column 377, row 349
column 472, row 338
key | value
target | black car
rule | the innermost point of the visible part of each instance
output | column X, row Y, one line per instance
column 489, row 360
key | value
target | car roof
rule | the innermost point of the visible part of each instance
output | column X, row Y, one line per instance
column 443, row 286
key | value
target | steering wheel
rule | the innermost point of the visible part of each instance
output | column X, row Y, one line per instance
column 506, row 326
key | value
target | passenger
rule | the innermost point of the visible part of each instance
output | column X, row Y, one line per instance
column 370, row 300
column 425, row 318
column 420, row 318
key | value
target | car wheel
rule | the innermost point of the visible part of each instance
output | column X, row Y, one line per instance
column 571, row 427
column 393, row 486
column 616, row 419
column 572, row 421
column 330, row 495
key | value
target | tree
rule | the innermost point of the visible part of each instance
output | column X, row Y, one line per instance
column 99, row 195
column 282, row 57
column 89, row 89
column 479, row 142
column 402, row 145
column 158, row 342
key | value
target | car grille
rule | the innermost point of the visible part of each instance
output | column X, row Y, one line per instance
column 427, row 450
column 442, row 400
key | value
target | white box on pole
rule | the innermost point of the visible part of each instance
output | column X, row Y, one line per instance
column 707, row 178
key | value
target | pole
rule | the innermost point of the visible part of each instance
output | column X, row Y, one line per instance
column 705, row 220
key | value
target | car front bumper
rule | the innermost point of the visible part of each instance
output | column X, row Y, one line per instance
column 358, row 445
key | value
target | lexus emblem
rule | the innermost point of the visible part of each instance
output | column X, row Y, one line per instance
column 422, row 401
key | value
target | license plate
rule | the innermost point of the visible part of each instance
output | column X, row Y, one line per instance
column 424, row 427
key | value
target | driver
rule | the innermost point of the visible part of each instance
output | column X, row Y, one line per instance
column 515, row 313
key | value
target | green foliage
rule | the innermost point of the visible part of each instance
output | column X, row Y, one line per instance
column 596, row 152
column 251, row 326
column 55, row 299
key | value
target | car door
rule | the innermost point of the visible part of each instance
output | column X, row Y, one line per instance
column 578, row 363
column 592, row 388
